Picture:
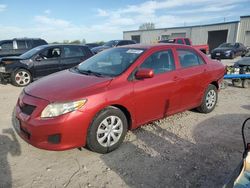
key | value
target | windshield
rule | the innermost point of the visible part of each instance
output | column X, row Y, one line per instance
column 31, row 52
column 111, row 62
column 247, row 54
column 227, row 45
column 111, row 43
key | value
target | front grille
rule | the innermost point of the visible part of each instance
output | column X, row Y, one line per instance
column 27, row 109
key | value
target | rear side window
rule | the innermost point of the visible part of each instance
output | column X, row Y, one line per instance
column 187, row 41
column 179, row 41
column 7, row 45
column 131, row 42
column 188, row 58
column 122, row 43
column 73, row 51
column 21, row 44
column 160, row 62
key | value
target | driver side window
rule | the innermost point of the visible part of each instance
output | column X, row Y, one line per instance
column 160, row 62
column 51, row 53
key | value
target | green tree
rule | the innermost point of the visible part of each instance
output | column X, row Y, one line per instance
column 147, row 26
column 75, row 42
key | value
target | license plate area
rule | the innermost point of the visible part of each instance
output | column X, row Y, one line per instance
column 217, row 53
column 17, row 125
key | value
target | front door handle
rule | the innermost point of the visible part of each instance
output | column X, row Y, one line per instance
column 176, row 78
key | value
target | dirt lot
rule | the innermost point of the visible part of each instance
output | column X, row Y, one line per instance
column 185, row 150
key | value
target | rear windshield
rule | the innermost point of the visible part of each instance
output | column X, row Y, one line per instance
column 227, row 45
column 168, row 41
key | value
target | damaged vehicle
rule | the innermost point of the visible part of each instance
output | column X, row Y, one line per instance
column 115, row 91
column 41, row 61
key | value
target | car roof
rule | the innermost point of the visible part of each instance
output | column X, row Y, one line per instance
column 59, row 45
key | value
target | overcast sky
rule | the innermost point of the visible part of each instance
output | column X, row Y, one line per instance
column 58, row 20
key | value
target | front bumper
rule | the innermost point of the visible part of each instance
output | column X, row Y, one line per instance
column 221, row 55
column 5, row 77
column 63, row 132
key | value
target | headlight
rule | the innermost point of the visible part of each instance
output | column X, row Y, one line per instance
column 228, row 51
column 2, row 69
column 56, row 109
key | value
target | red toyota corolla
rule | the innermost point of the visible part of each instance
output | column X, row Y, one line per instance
column 95, row 103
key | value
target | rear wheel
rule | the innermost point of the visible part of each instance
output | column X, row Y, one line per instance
column 107, row 130
column 21, row 77
column 244, row 83
column 209, row 100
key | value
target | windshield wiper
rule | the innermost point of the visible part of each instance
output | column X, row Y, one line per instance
column 89, row 72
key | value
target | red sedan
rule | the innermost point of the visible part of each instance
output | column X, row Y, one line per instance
column 96, row 102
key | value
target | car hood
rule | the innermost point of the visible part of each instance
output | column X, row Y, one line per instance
column 99, row 48
column 66, row 85
column 245, row 61
column 222, row 49
column 9, row 60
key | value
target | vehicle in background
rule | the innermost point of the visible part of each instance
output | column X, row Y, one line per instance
column 228, row 51
column 41, row 61
column 92, row 45
column 96, row 102
column 111, row 44
column 16, row 47
column 204, row 48
column 244, row 61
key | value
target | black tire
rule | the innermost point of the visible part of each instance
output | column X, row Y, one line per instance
column 21, row 78
column 234, row 82
column 244, row 83
column 97, row 124
column 208, row 106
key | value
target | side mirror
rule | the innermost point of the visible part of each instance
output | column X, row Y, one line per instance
column 144, row 73
column 38, row 58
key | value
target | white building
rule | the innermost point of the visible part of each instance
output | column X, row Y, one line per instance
column 212, row 34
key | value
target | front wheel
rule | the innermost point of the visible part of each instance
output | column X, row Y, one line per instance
column 107, row 131
column 21, row 78
column 209, row 100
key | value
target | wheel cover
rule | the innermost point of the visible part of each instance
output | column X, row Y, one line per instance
column 109, row 131
column 22, row 78
column 211, row 99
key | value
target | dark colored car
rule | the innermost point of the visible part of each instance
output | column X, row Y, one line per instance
column 96, row 102
column 111, row 44
column 228, row 51
column 243, row 64
column 92, row 45
column 244, row 61
column 16, row 47
column 41, row 61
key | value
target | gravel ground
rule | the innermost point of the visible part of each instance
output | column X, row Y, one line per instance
column 188, row 149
